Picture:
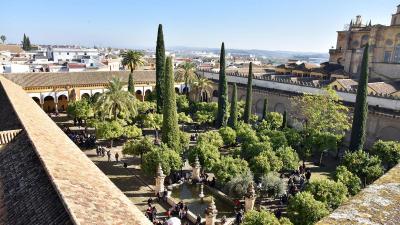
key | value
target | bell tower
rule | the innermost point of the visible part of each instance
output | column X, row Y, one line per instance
column 396, row 17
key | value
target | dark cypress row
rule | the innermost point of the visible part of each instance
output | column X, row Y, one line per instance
column 170, row 129
column 160, row 67
column 222, row 91
column 361, row 107
column 233, row 118
column 249, row 96
column 265, row 109
column 131, row 87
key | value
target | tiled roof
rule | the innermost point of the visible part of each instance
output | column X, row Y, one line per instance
column 382, row 87
column 27, row 195
column 77, row 78
column 88, row 196
column 11, row 48
column 347, row 83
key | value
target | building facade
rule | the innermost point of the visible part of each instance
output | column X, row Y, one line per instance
column 384, row 54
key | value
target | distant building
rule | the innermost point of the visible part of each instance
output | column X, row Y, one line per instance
column 16, row 68
column 72, row 54
column 384, row 54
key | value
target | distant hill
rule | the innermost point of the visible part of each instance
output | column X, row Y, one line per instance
column 282, row 55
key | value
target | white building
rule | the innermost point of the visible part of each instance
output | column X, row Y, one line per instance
column 72, row 54
column 16, row 68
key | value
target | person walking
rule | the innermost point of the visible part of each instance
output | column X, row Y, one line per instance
column 109, row 155
column 116, row 157
column 308, row 174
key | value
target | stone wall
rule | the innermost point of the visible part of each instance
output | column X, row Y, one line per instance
column 384, row 126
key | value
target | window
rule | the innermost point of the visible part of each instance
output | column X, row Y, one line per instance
column 387, row 56
column 397, row 54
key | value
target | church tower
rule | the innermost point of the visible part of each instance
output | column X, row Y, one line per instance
column 396, row 17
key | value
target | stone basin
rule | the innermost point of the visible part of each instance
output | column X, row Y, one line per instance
column 189, row 194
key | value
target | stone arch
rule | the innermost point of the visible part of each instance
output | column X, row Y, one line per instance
column 204, row 97
column 398, row 37
column 37, row 100
column 389, row 134
column 62, row 102
column 85, row 96
column 280, row 108
column 139, row 95
column 185, row 90
column 215, row 93
column 95, row 96
column 259, row 106
column 48, row 104
column 177, row 90
column 147, row 92
column 364, row 40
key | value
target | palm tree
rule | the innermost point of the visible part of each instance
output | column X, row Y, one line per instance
column 3, row 38
column 132, row 59
column 200, row 85
column 116, row 100
column 186, row 73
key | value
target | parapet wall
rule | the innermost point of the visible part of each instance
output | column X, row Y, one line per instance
column 383, row 101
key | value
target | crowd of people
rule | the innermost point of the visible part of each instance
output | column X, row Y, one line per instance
column 298, row 180
column 81, row 138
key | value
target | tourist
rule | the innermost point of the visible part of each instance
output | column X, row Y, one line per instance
column 165, row 195
column 149, row 201
column 109, row 155
column 308, row 174
column 278, row 213
column 116, row 157
column 158, row 196
column 198, row 219
column 103, row 151
column 239, row 217
column 154, row 213
column 223, row 220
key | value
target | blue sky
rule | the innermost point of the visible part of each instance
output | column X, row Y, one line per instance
column 295, row 25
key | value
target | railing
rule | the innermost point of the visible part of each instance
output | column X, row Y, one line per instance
column 8, row 135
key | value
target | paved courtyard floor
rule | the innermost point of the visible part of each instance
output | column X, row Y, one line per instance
column 129, row 180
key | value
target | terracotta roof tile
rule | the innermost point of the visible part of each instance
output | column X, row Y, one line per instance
column 76, row 78
column 11, row 48
column 86, row 193
column 382, row 87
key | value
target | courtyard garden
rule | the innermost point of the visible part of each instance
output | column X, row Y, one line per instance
column 294, row 165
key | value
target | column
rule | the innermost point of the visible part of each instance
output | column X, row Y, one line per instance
column 250, row 198
column 196, row 170
column 211, row 213
column 159, row 180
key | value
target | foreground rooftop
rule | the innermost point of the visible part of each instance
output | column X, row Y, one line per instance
column 45, row 178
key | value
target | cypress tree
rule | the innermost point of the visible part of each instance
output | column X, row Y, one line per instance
column 131, row 87
column 222, row 91
column 247, row 109
column 233, row 119
column 361, row 107
column 284, row 122
column 160, row 68
column 24, row 42
column 265, row 109
column 170, row 129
